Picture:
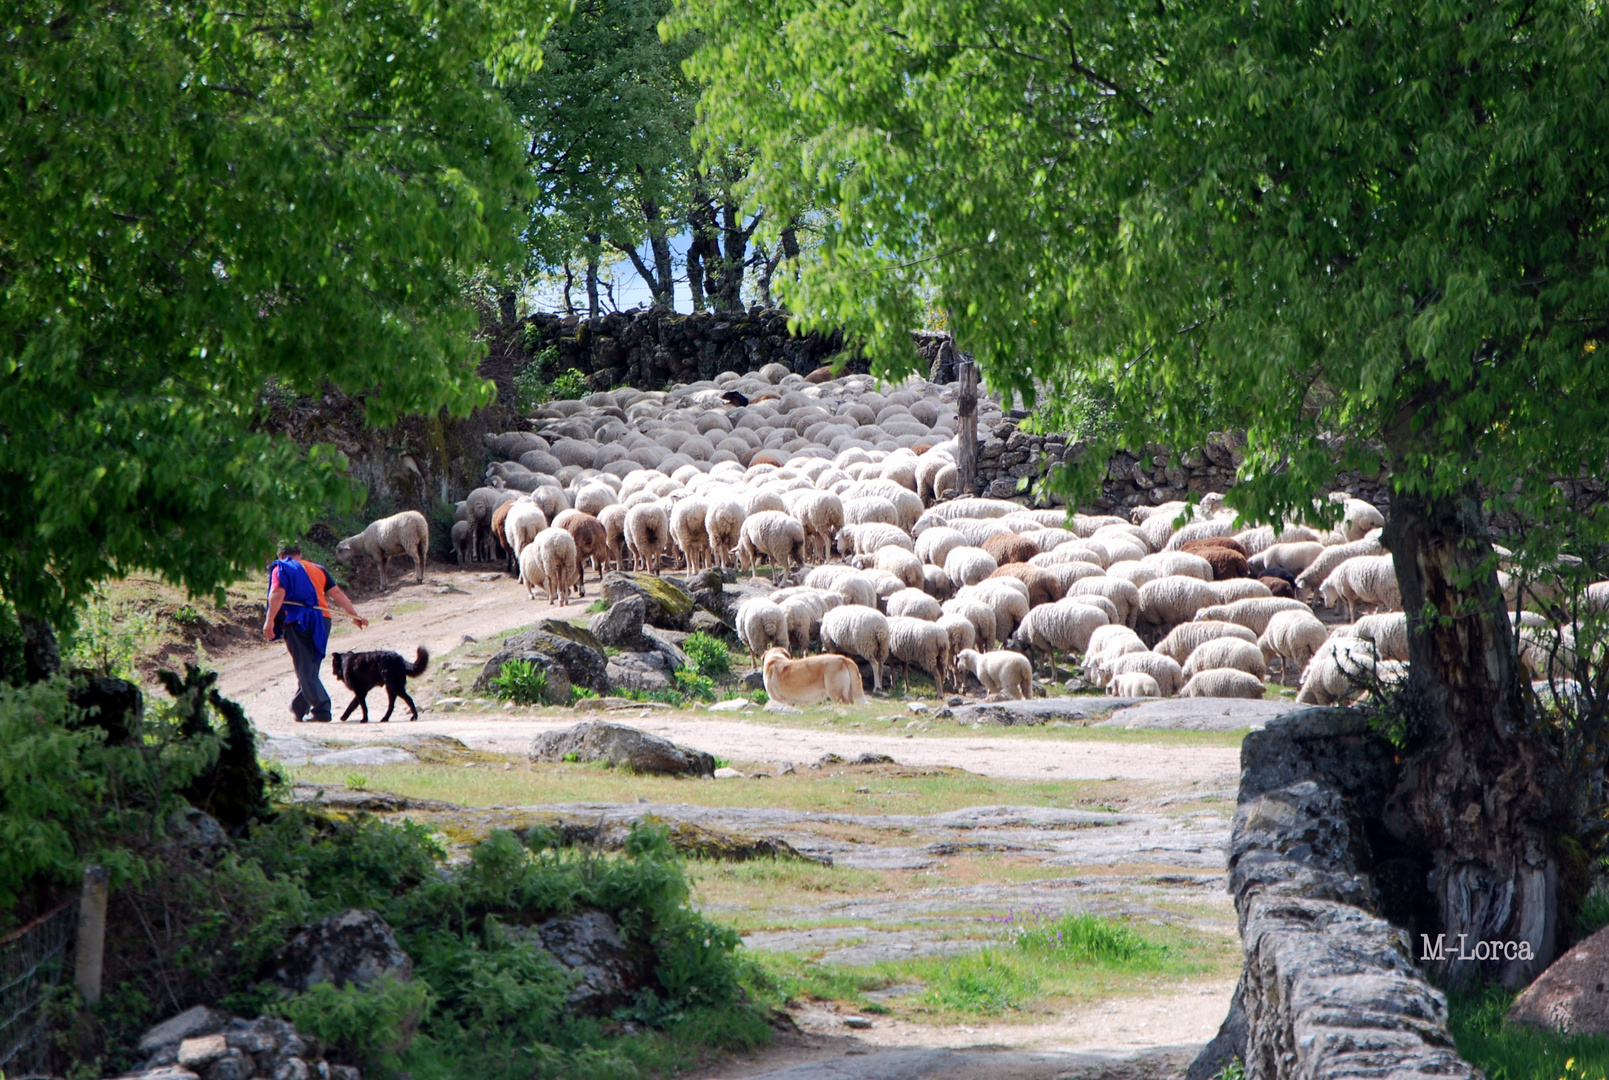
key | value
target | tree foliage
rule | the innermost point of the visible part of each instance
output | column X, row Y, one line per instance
column 205, row 203
column 1369, row 217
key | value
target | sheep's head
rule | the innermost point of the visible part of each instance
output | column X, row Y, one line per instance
column 344, row 550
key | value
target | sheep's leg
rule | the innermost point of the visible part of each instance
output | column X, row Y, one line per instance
column 379, row 561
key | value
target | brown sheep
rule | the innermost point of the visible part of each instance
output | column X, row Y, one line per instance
column 1010, row 547
column 1195, row 546
column 820, row 375
column 1226, row 562
column 591, row 542
column 1279, row 587
column 499, row 516
column 1043, row 586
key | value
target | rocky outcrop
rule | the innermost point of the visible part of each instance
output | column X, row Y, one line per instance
column 1571, row 996
column 605, row 969
column 1329, row 988
column 206, row 1044
column 570, row 655
column 621, row 625
column 355, row 947
column 622, row 747
column 667, row 603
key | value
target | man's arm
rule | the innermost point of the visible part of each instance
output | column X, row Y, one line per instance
column 276, row 600
column 338, row 594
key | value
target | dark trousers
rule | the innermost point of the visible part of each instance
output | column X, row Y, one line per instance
column 306, row 660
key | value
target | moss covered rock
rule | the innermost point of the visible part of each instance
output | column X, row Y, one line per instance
column 666, row 604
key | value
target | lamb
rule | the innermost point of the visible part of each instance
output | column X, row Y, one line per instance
column 1294, row 637
column 591, row 542
column 969, row 565
column 1010, row 548
column 1106, row 644
column 1293, row 557
column 723, row 525
column 1308, row 581
column 913, row 603
column 979, row 614
column 1169, row 601
column 687, row 529
column 551, row 562
column 902, row 564
column 1133, row 684
column 1252, row 614
column 407, row 533
column 1223, row 683
column 463, row 532
column 1043, row 587
column 1060, row 627
column 761, row 625
column 1000, row 672
column 1125, row 597
column 647, row 535
column 1164, row 670
column 925, row 644
column 1226, row 652
column 852, row 630
column 775, row 536
column 1185, row 638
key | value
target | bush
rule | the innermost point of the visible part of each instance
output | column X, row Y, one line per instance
column 371, row 1025
column 521, row 682
column 537, row 383
column 708, row 655
column 696, row 686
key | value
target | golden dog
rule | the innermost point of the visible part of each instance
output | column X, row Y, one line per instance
column 813, row 679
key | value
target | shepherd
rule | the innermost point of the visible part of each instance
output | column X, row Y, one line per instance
column 299, row 592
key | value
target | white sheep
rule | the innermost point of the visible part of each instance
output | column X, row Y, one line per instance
column 550, row 562
column 525, row 521
column 723, row 524
column 852, row 630
column 1360, row 518
column 1294, row 557
column 903, row 564
column 1389, row 633
column 1365, row 579
column 1294, row 637
column 687, row 529
column 1252, row 614
column 593, row 497
column 979, row 614
column 1179, row 564
column 1226, row 652
column 1308, row 581
column 761, row 625
column 1060, row 627
column 1133, row 684
column 1223, row 683
column 868, row 509
column 934, row 544
column 407, row 533
column 1009, row 599
column 1166, row 672
column 1000, row 672
column 773, row 536
column 963, row 635
column 463, row 535
column 1169, row 601
column 647, row 535
column 913, row 603
column 925, row 644
column 802, row 610
column 613, row 520
column 822, row 515
column 872, row 537
column 1124, row 595
column 1231, row 589
column 1184, row 639
column 1342, row 668
column 1200, row 530
column 1069, row 572
column 969, row 565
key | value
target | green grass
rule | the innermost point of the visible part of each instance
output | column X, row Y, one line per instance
column 1510, row 1052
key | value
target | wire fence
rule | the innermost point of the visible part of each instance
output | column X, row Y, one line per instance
column 32, row 962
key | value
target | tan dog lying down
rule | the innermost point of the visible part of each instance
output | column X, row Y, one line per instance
column 813, row 679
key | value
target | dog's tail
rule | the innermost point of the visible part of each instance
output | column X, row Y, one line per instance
column 420, row 662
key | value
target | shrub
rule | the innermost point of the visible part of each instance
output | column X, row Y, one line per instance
column 694, row 685
column 533, row 385
column 1087, row 938
column 521, row 682
column 371, row 1025
column 708, row 655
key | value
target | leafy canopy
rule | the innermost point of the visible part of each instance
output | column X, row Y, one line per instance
column 203, row 201
column 1379, row 218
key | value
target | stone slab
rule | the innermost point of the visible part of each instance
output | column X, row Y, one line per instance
column 1032, row 711
column 1199, row 714
column 365, row 755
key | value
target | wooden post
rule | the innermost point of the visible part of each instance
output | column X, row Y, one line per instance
column 90, row 949
column 967, row 426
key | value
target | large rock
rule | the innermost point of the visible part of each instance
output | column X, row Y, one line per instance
column 623, row 747
column 588, row 944
column 714, row 595
column 1572, row 996
column 666, row 603
column 621, row 625
column 552, row 643
column 354, row 947
column 205, row 1043
column 641, row 671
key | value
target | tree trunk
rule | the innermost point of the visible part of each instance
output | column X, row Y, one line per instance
column 569, row 283
column 1480, row 794
column 592, row 277
column 734, row 253
column 40, row 657
column 966, row 421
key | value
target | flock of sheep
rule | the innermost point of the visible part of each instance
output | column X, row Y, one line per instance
column 852, row 490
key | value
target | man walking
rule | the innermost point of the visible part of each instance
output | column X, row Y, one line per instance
column 299, row 592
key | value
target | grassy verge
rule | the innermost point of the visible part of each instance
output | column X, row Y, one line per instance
column 1510, row 1052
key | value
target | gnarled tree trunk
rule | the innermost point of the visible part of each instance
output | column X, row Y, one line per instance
column 1480, row 794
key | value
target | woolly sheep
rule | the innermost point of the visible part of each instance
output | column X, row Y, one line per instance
column 647, row 535
column 478, row 507
column 688, row 532
column 1341, row 668
column 1169, row 601
column 934, row 544
column 1125, row 597
column 1308, row 581
column 1226, row 652
column 822, row 515
column 773, row 536
column 936, row 583
column 1199, row 530
column 1164, row 670
column 853, row 630
column 1133, row 684
column 1000, row 672
column 1185, row 638
column 591, row 542
column 549, row 562
column 525, row 521
column 1232, row 589
column 1067, row 573
column 907, row 504
column 869, row 509
column 1043, row 587
column 1366, row 579
column 903, row 564
column 1009, row 599
column 969, row 565
column 1360, row 518
column 963, row 635
column 802, row 611
column 1252, row 614
column 1203, row 544
column 1294, row 637
column 1010, row 548
column 1293, row 557
column 723, row 525
column 913, row 603
column 1179, row 564
column 462, row 535
column 1111, row 640
column 761, row 625
column 1059, row 627
column 922, row 643
column 868, row 539
column 979, row 614
column 407, row 533
column 1223, row 683
column 1388, row 631
column 1136, row 573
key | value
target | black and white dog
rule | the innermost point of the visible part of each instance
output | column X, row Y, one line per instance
column 361, row 672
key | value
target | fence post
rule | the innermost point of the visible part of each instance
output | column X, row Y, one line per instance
column 91, row 946
column 967, row 427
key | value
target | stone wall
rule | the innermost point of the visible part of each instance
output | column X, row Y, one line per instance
column 1329, row 988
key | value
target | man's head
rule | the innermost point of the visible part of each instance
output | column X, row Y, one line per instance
column 289, row 551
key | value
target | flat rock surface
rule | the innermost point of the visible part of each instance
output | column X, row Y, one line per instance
column 1199, row 714
column 1030, row 711
column 365, row 755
